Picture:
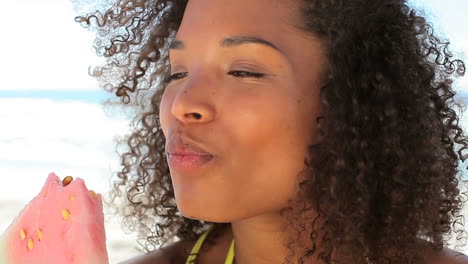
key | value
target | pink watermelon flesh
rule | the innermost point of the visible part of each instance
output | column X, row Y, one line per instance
column 43, row 232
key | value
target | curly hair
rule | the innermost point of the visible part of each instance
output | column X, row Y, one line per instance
column 385, row 169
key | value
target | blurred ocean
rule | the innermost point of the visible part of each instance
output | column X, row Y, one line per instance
column 62, row 136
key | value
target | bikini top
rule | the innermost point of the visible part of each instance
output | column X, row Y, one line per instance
column 230, row 255
column 198, row 245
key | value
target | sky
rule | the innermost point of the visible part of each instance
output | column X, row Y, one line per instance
column 50, row 111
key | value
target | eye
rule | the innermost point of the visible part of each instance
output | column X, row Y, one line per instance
column 174, row 76
column 240, row 74
column 245, row 74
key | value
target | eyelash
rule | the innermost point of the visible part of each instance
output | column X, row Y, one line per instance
column 250, row 74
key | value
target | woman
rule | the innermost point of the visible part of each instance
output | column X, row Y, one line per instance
column 303, row 131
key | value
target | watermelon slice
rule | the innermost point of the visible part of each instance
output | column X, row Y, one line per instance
column 64, row 224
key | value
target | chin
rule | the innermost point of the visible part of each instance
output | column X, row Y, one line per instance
column 215, row 217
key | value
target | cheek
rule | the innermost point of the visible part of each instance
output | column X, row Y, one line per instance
column 165, row 110
column 268, row 153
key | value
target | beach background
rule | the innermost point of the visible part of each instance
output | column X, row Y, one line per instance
column 51, row 112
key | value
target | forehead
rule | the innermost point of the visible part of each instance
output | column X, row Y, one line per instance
column 207, row 20
column 228, row 10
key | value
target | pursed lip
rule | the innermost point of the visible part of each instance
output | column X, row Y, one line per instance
column 178, row 145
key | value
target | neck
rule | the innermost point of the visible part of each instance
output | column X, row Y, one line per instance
column 260, row 240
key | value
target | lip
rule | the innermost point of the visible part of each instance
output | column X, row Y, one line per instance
column 188, row 163
column 178, row 145
column 185, row 155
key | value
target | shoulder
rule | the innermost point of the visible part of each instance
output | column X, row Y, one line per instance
column 178, row 252
column 446, row 256
column 166, row 255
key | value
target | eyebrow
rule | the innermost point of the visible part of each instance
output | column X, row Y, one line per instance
column 230, row 42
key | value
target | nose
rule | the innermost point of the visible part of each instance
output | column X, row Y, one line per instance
column 194, row 100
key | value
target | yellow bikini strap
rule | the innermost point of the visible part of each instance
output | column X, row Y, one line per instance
column 198, row 245
column 230, row 256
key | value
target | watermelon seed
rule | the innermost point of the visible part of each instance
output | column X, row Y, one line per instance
column 67, row 180
column 93, row 193
column 39, row 234
column 22, row 234
column 65, row 214
column 30, row 244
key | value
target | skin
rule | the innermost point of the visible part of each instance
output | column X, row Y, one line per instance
column 257, row 129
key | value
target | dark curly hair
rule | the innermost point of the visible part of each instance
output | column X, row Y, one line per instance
column 384, row 171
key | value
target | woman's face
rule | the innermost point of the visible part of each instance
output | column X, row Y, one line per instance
column 258, row 129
